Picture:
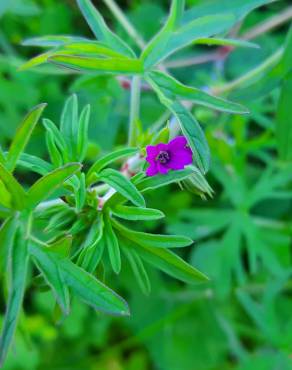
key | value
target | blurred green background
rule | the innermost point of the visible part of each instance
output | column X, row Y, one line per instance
column 241, row 319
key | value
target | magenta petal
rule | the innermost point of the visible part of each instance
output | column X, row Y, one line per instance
column 163, row 168
column 152, row 170
column 177, row 143
column 180, row 159
column 152, row 151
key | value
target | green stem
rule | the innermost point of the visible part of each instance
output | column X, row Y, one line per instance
column 129, row 28
column 134, row 109
column 249, row 76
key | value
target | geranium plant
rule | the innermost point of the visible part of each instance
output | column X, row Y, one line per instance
column 86, row 209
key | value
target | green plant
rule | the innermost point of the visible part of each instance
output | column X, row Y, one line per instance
column 61, row 242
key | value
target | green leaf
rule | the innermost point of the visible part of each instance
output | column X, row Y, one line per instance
column 48, row 263
column 35, row 164
column 22, row 136
column 59, row 139
column 18, row 271
column 112, row 245
column 167, row 261
column 94, row 65
column 191, row 130
column 5, row 196
column 122, row 185
column 157, row 46
column 101, row 30
column 51, row 40
column 55, row 155
column 35, row 61
column 172, row 89
column 226, row 42
column 136, row 214
column 18, row 195
column 82, row 136
column 7, row 234
column 139, row 270
column 69, row 124
column 154, row 182
column 42, row 189
column 110, row 158
column 92, row 291
column 90, row 47
column 283, row 120
column 152, row 240
column 238, row 8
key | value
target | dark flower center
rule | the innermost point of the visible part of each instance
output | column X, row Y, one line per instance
column 163, row 157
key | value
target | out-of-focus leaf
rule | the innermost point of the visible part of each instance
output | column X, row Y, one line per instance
column 139, row 270
column 238, row 8
column 101, row 30
column 22, row 136
column 284, row 120
column 51, row 40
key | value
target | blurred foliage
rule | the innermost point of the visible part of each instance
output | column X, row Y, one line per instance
column 241, row 319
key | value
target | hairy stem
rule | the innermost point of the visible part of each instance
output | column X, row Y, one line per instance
column 134, row 108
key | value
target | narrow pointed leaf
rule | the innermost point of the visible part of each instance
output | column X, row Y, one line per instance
column 112, row 245
column 48, row 264
column 152, row 240
column 137, row 213
column 122, row 185
column 18, row 195
column 110, row 158
column 22, row 136
column 101, row 30
column 92, row 291
column 42, row 189
column 172, row 89
column 94, row 65
column 18, row 272
column 168, row 262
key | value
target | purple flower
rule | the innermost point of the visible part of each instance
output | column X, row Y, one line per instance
column 172, row 156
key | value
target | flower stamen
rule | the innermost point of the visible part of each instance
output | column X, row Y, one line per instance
column 163, row 157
